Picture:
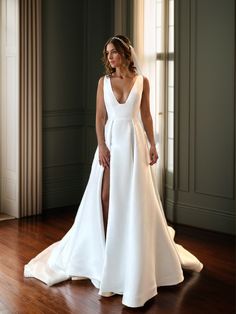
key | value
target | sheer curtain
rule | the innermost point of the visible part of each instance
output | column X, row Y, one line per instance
column 30, row 108
column 144, row 34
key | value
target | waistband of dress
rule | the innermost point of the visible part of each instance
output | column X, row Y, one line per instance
column 122, row 118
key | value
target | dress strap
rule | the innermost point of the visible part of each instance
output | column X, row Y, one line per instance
column 105, row 82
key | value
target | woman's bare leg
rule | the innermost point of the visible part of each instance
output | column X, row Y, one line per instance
column 105, row 196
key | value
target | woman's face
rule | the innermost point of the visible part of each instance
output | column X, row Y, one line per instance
column 113, row 56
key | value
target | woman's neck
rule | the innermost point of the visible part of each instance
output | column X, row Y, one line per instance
column 123, row 72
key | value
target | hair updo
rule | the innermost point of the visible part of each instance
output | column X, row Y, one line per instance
column 123, row 48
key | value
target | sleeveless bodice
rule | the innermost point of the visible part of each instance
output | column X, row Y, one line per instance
column 127, row 110
column 122, row 118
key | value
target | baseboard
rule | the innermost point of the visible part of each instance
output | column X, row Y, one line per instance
column 200, row 217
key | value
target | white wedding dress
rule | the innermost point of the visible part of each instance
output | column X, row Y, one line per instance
column 138, row 253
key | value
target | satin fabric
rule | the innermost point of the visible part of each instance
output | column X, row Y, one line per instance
column 139, row 253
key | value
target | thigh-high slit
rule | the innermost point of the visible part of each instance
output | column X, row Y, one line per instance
column 105, row 196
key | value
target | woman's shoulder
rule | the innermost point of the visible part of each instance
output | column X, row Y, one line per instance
column 101, row 79
column 145, row 81
column 144, row 78
column 145, row 84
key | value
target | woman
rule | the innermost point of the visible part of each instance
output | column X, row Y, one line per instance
column 120, row 239
column 122, row 73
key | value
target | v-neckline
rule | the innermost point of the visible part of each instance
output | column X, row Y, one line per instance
column 123, row 103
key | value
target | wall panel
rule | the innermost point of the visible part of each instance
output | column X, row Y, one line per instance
column 204, row 192
column 74, row 33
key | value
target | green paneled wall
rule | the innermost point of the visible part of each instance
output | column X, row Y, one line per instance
column 204, row 172
column 73, row 36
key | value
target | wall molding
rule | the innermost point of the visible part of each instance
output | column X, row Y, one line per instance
column 215, row 195
column 65, row 118
column 201, row 196
column 201, row 208
column 71, row 72
column 182, row 95
column 194, row 13
column 59, row 165
column 200, row 217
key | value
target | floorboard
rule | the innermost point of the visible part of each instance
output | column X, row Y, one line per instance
column 210, row 292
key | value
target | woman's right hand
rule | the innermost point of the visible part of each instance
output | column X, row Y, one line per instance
column 104, row 155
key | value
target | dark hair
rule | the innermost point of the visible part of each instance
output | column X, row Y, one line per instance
column 123, row 49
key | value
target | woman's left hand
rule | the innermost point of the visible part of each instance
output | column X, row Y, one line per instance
column 153, row 155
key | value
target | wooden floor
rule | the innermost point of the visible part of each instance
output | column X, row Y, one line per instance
column 211, row 292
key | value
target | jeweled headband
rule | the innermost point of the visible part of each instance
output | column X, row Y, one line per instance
column 122, row 41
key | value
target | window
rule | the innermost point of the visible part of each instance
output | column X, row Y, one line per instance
column 154, row 43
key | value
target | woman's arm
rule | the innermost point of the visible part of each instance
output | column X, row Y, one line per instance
column 101, row 117
column 147, row 120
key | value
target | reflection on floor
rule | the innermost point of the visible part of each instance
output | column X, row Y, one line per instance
column 210, row 292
